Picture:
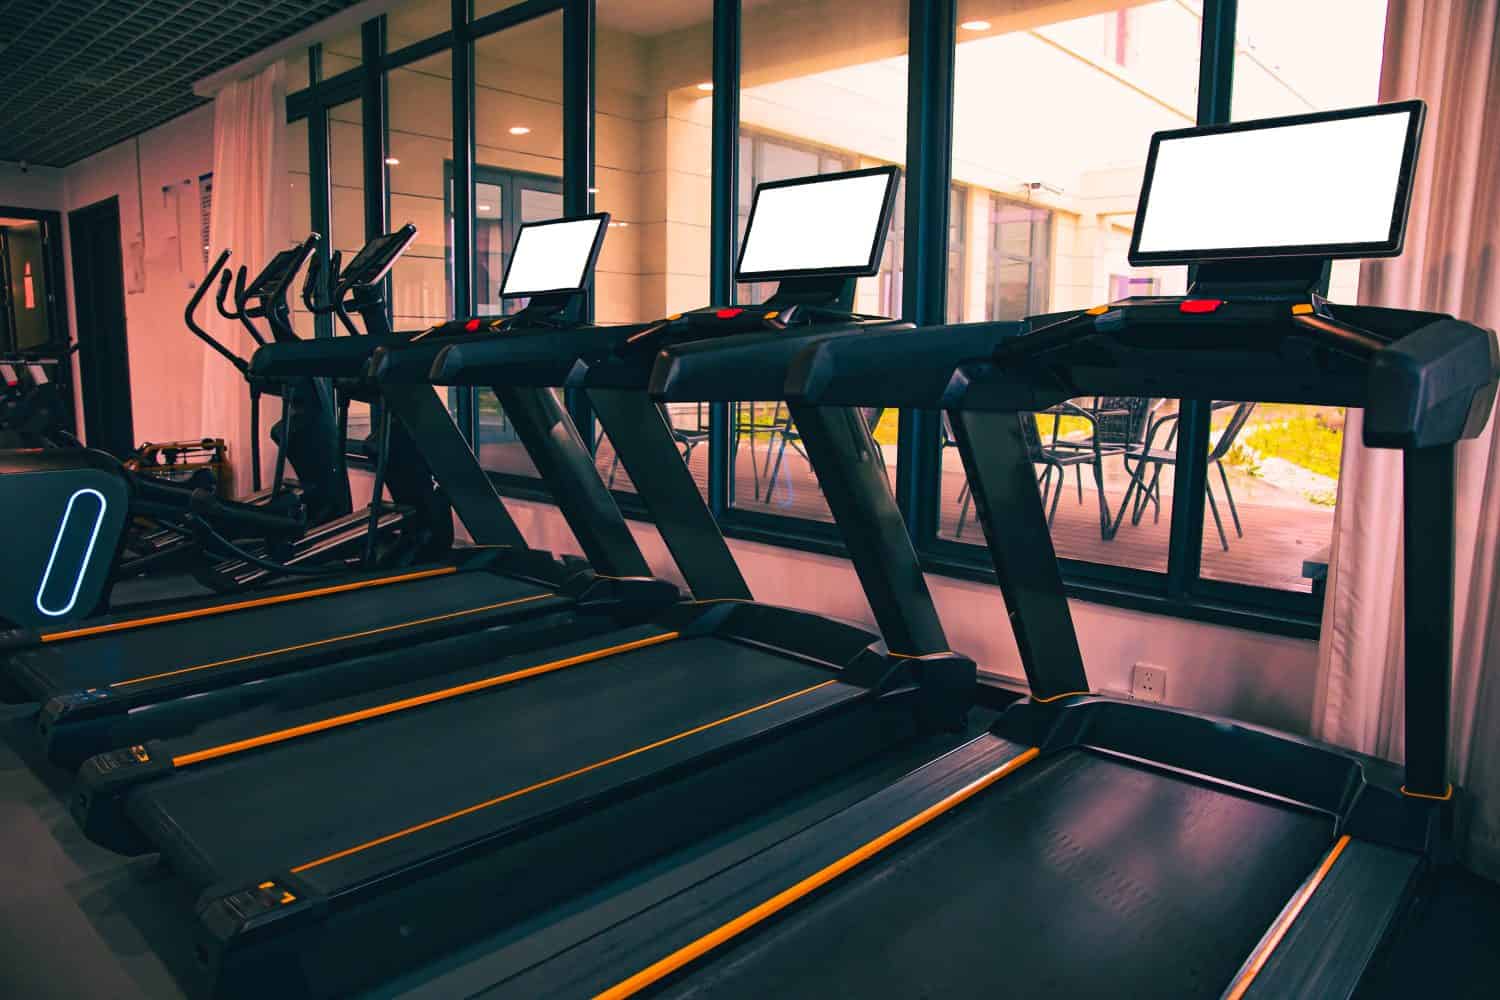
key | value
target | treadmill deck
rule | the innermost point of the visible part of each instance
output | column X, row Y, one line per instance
column 187, row 652
column 499, row 756
column 1080, row 876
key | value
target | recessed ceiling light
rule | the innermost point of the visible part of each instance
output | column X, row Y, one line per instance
column 485, row 208
column 391, row 161
column 975, row 26
column 519, row 130
column 706, row 85
column 593, row 190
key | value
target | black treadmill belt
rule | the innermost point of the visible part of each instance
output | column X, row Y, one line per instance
column 128, row 658
column 1086, row 877
column 269, row 810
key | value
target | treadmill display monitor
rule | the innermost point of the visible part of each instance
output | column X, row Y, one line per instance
column 830, row 225
column 377, row 257
column 555, row 256
column 1334, row 184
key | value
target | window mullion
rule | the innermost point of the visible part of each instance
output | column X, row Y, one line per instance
column 724, row 204
column 931, row 70
column 1189, row 482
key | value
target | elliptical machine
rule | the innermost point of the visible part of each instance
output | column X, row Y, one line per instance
column 416, row 523
column 193, row 528
column 305, row 433
column 82, row 523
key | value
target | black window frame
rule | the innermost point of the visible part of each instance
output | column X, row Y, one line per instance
column 929, row 206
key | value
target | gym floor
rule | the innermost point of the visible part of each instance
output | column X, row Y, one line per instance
column 77, row 920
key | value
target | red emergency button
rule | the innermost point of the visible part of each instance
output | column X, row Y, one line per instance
column 729, row 313
column 472, row 326
column 1200, row 305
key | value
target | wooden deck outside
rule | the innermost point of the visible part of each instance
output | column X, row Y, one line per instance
column 1280, row 531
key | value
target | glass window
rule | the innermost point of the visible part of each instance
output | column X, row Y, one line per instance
column 653, row 112
column 416, row 22
column 1049, row 213
column 517, row 178
column 817, row 99
column 483, row 7
column 298, row 71
column 346, row 210
column 419, row 150
column 299, row 212
column 343, row 54
column 1274, row 469
column 419, row 166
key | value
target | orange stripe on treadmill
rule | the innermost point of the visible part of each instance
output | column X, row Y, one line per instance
column 449, row 616
column 555, row 780
column 745, row 921
column 258, row 602
column 376, row 711
column 1274, row 936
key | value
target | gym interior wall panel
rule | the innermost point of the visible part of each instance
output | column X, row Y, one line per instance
column 39, row 188
column 155, row 177
column 1261, row 678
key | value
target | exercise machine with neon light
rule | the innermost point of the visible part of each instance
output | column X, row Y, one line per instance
column 181, row 668
column 73, row 512
column 1087, row 845
column 526, row 780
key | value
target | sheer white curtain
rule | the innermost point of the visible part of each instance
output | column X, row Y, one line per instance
column 249, row 217
column 1448, row 54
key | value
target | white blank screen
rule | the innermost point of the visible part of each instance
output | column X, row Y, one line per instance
column 805, row 227
column 551, row 257
column 1298, row 185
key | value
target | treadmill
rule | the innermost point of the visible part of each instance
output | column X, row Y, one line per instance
column 375, row 834
column 121, row 681
column 1088, row 845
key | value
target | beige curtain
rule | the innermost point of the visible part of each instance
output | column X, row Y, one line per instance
column 1446, row 52
column 248, row 217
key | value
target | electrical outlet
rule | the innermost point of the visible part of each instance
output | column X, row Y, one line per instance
column 1148, row 682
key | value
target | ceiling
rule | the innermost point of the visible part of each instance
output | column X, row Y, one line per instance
column 79, row 76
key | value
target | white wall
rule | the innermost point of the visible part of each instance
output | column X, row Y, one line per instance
column 1260, row 678
column 166, row 363
column 37, row 187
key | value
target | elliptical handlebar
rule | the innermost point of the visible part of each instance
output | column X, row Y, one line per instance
column 225, row 281
column 317, row 296
column 242, row 311
column 217, row 271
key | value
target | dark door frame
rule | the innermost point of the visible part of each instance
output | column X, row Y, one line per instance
column 107, row 418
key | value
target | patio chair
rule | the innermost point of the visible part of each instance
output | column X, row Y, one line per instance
column 745, row 425
column 785, row 428
column 1113, row 421
column 1142, row 491
column 685, row 439
column 1115, row 424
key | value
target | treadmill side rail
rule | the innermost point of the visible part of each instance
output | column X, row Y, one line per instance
column 97, row 804
column 1325, row 948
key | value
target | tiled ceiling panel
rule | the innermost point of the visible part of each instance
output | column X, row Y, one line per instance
column 77, row 76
